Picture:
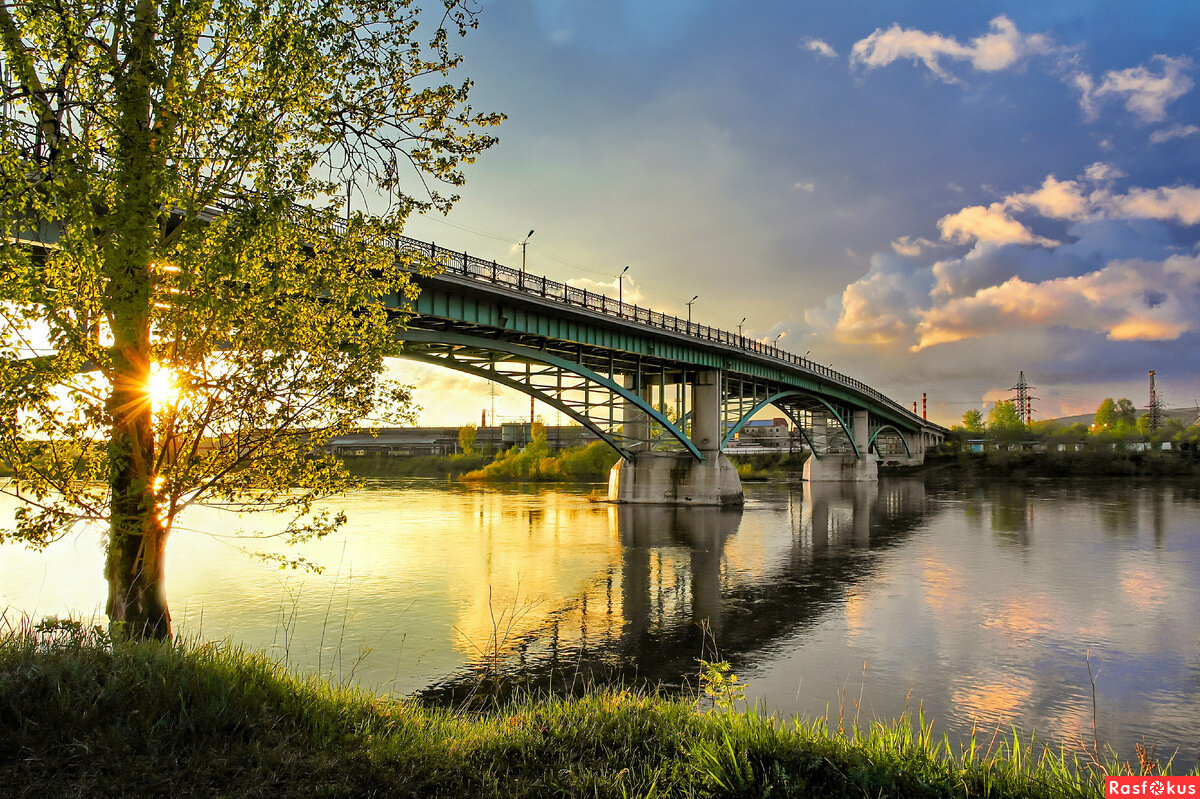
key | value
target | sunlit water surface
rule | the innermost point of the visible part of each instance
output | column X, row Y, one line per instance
column 985, row 605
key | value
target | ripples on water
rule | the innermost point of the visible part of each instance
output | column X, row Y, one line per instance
column 982, row 603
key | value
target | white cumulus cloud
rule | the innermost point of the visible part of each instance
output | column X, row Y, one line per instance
column 1146, row 91
column 1126, row 301
column 1003, row 47
column 821, row 48
column 991, row 224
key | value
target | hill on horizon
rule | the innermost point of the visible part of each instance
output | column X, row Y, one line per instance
column 1187, row 415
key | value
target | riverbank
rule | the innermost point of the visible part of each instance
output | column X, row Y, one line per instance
column 1091, row 462
column 80, row 717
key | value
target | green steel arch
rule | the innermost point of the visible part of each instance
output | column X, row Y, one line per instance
column 894, row 429
column 526, row 354
column 782, row 395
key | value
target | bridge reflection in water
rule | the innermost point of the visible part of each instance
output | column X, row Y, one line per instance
column 693, row 578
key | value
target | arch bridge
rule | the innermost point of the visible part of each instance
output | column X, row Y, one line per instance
column 667, row 393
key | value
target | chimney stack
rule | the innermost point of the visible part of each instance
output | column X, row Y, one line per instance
column 923, row 407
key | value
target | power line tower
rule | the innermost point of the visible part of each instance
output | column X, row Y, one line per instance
column 1156, row 409
column 1023, row 399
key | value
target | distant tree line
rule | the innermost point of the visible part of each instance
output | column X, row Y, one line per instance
column 1114, row 421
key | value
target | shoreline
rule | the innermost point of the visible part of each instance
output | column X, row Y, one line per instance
column 81, row 716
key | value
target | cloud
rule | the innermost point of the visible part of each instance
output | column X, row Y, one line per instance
column 1002, row 48
column 1177, row 204
column 1126, row 301
column 819, row 47
column 1090, row 196
column 1056, row 199
column 912, row 247
column 1117, row 274
column 628, row 290
column 878, row 308
column 807, row 187
column 1146, row 93
column 1173, row 132
column 991, row 224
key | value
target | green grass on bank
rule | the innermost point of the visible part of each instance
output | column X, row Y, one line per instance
column 82, row 718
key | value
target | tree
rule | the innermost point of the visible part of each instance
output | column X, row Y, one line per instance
column 1003, row 418
column 1106, row 415
column 466, row 438
column 973, row 421
column 186, row 161
column 1126, row 413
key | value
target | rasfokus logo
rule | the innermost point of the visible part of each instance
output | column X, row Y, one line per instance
column 1151, row 786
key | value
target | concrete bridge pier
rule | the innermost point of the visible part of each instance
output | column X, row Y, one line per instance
column 916, row 449
column 846, row 467
column 678, row 478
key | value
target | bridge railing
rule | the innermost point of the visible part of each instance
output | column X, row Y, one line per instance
column 465, row 265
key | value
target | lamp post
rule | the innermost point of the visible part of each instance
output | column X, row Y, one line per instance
column 776, row 344
column 621, row 291
column 740, row 326
column 689, row 305
column 523, row 244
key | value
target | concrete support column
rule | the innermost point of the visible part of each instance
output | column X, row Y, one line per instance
column 820, row 433
column 846, row 467
column 860, row 430
column 706, row 412
column 679, row 478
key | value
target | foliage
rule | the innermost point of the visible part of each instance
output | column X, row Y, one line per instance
column 187, row 159
column 720, row 686
column 1126, row 412
column 1119, row 417
column 1004, row 419
column 972, row 421
column 535, row 462
column 81, row 715
column 466, row 439
column 1106, row 414
column 766, row 465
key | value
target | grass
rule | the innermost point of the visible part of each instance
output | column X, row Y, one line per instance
column 82, row 717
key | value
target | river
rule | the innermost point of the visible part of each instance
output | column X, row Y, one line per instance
column 985, row 605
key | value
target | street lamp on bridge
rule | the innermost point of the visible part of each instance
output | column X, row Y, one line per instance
column 689, row 305
column 621, row 289
column 740, row 326
column 523, row 245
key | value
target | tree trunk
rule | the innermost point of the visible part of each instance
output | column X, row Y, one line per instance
column 137, row 600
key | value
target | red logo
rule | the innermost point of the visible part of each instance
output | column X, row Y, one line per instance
column 1153, row 787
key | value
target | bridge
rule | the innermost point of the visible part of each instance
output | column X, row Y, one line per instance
column 667, row 393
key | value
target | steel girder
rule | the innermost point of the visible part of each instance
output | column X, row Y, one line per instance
column 876, row 430
column 744, row 398
column 581, row 390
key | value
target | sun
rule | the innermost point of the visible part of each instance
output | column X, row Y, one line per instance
column 162, row 388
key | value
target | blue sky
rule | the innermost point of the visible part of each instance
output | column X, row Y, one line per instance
column 929, row 196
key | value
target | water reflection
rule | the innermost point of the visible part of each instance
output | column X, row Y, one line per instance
column 693, row 581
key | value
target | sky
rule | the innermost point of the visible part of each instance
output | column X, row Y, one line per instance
column 929, row 196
